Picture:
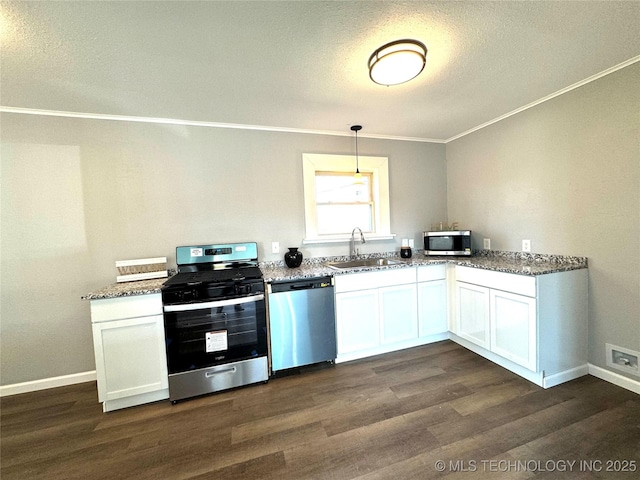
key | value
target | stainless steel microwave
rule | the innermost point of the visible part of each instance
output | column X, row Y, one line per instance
column 452, row 242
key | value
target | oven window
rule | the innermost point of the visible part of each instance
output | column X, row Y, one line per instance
column 202, row 338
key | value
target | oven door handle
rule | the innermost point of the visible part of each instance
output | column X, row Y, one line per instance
column 219, row 303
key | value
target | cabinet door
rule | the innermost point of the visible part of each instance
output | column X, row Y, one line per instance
column 472, row 313
column 513, row 327
column 432, row 308
column 398, row 313
column 130, row 357
column 357, row 321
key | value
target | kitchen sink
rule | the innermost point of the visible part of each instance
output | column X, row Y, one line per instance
column 369, row 262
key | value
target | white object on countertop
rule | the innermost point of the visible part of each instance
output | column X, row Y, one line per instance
column 141, row 269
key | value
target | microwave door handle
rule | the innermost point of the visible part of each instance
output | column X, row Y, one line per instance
column 206, row 305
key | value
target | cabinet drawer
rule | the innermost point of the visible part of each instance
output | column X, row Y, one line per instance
column 432, row 272
column 367, row 280
column 508, row 282
column 107, row 309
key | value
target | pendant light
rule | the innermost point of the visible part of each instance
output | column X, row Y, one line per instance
column 397, row 62
column 357, row 176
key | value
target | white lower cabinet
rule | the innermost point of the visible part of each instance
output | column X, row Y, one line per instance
column 383, row 311
column 502, row 322
column 129, row 347
column 433, row 318
column 513, row 327
column 398, row 313
column 472, row 315
column 376, row 312
column 535, row 326
column 358, row 319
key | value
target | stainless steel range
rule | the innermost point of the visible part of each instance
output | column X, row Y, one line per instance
column 215, row 320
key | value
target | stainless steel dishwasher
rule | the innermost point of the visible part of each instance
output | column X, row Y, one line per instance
column 302, row 322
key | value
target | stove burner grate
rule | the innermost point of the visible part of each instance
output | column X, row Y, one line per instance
column 215, row 276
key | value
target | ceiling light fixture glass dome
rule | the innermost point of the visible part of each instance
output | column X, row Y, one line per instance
column 397, row 62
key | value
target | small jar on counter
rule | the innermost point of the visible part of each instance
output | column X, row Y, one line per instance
column 405, row 249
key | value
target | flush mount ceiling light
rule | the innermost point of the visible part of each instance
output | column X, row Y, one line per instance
column 397, row 62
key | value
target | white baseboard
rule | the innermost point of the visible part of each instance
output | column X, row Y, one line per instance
column 45, row 383
column 561, row 377
column 615, row 378
column 533, row 377
column 53, row 382
column 132, row 401
column 557, row 378
column 391, row 347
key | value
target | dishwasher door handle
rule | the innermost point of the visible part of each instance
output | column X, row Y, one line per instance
column 304, row 286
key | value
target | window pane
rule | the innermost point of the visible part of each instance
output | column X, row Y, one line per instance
column 334, row 219
column 342, row 188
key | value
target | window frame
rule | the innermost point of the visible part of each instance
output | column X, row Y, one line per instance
column 378, row 167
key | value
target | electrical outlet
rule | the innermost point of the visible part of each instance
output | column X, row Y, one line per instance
column 487, row 244
column 526, row 245
column 275, row 247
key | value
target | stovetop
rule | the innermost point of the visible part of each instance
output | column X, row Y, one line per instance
column 215, row 276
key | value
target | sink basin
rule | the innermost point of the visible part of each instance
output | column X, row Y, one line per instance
column 369, row 262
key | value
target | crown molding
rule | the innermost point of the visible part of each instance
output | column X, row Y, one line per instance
column 579, row 84
column 265, row 128
column 196, row 123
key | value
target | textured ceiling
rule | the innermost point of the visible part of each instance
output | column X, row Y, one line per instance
column 302, row 64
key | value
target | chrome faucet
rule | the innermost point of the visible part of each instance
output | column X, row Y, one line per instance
column 352, row 245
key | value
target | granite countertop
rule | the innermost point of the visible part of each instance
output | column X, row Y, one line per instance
column 126, row 289
column 315, row 267
column 508, row 262
column 530, row 264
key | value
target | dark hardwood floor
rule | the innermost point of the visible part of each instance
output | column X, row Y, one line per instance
column 390, row 417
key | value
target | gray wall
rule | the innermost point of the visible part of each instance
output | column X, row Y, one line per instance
column 566, row 175
column 79, row 194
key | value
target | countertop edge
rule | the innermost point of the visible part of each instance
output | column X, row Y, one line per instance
column 279, row 274
column 505, row 262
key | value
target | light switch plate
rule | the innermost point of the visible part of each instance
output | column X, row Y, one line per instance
column 486, row 244
column 275, row 247
column 526, row 245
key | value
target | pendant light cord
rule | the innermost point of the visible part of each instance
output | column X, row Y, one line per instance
column 357, row 157
column 357, row 128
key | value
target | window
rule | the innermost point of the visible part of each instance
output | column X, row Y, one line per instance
column 336, row 202
column 342, row 202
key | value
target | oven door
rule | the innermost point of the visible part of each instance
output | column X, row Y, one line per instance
column 212, row 333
